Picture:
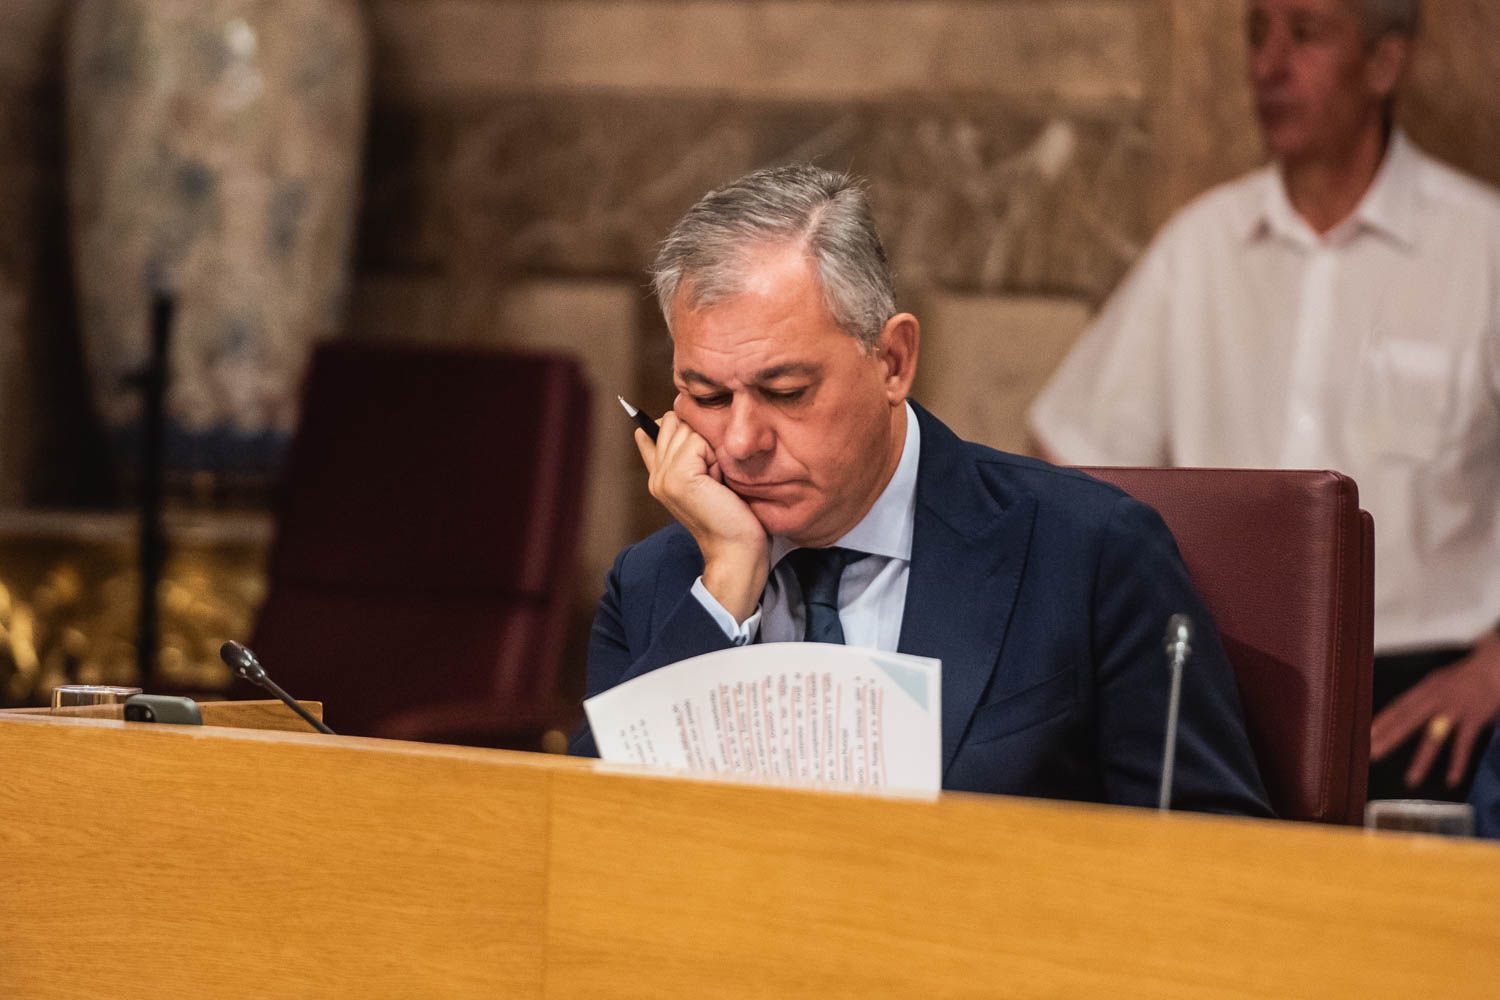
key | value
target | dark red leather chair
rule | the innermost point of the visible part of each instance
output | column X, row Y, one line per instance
column 1285, row 563
column 422, row 568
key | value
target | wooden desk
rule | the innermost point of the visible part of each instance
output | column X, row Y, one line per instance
column 161, row 861
column 267, row 714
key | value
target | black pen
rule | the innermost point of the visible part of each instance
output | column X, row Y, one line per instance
column 646, row 423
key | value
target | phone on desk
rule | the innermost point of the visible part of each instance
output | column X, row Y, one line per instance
column 162, row 708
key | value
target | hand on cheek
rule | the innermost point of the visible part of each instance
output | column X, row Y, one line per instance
column 684, row 476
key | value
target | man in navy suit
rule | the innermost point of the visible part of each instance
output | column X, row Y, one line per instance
column 814, row 502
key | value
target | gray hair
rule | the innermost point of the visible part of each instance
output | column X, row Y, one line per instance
column 705, row 255
column 1391, row 17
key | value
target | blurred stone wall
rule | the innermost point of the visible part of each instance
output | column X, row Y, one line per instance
column 525, row 156
column 50, row 448
column 1020, row 154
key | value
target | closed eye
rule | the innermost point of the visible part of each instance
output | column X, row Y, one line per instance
column 784, row 395
column 716, row 400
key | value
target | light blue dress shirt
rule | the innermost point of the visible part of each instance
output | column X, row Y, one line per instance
column 872, row 591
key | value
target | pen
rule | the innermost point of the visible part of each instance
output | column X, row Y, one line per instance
column 646, row 423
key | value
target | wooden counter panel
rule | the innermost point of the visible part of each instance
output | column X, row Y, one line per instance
column 679, row 888
column 165, row 861
column 259, row 864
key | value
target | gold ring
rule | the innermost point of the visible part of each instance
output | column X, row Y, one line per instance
column 1438, row 728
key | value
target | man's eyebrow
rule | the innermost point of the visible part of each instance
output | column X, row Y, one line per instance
column 792, row 369
column 689, row 375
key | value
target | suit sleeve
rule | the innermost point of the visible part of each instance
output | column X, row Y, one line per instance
column 1141, row 582
column 625, row 642
column 1485, row 797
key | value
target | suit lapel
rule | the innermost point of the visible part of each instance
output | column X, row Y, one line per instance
column 968, row 554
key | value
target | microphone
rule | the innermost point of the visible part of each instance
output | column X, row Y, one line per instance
column 1179, row 637
column 244, row 664
column 1179, row 646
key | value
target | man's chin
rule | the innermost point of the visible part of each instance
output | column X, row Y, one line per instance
column 1284, row 140
column 778, row 517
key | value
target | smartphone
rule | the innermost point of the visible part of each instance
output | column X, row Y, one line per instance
column 162, row 708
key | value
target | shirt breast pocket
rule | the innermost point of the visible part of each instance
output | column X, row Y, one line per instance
column 1041, row 702
column 1405, row 396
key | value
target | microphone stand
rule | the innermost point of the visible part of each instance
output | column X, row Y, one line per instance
column 1179, row 638
column 153, row 381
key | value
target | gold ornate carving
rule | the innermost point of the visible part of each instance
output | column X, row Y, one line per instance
column 69, row 601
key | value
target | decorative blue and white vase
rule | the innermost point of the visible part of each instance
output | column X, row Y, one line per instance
column 215, row 150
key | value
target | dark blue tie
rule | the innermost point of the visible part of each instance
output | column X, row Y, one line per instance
column 818, row 572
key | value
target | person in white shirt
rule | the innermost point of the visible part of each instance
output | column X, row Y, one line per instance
column 1337, row 309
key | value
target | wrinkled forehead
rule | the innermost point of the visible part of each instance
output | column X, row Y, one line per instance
column 736, row 349
column 777, row 320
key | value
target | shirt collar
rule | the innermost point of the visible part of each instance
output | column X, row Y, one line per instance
column 887, row 529
column 1388, row 207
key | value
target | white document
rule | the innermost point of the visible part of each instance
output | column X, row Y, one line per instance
column 782, row 713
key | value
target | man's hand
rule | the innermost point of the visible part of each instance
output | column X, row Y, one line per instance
column 1461, row 700
column 685, row 478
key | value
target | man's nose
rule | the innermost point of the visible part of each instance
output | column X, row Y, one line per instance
column 1268, row 60
column 748, row 434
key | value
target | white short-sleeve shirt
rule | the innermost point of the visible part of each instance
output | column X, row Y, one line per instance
column 1244, row 339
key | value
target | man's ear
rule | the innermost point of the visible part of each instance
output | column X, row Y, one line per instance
column 900, row 342
column 1386, row 66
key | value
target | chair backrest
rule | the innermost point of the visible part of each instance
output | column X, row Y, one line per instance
column 1284, row 560
column 425, row 539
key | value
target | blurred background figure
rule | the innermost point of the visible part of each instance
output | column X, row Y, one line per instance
column 1339, row 309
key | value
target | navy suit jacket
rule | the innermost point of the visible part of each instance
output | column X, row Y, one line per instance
column 1045, row 593
column 1485, row 796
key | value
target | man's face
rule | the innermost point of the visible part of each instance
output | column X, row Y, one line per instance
column 1316, row 90
column 800, row 418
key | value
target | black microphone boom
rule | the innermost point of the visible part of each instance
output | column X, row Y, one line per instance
column 244, row 664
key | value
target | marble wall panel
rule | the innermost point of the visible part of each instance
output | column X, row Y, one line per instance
column 27, row 40
column 408, row 306
column 1452, row 105
column 986, row 200
column 1202, row 128
column 50, row 452
column 984, row 358
column 404, row 207
column 970, row 197
column 1067, row 51
column 595, row 321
